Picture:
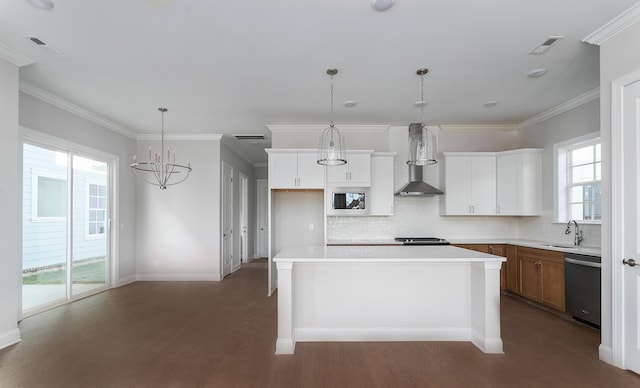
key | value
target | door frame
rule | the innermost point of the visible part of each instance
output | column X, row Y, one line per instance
column 38, row 138
column 618, row 86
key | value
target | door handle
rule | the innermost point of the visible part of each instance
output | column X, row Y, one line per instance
column 630, row 262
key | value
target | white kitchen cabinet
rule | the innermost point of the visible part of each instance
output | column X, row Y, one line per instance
column 295, row 169
column 356, row 173
column 518, row 182
column 470, row 183
column 381, row 195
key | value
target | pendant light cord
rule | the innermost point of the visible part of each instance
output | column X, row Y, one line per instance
column 331, row 119
column 422, row 103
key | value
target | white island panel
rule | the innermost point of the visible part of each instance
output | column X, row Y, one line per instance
column 388, row 294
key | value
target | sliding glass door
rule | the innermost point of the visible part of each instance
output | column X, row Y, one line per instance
column 65, row 230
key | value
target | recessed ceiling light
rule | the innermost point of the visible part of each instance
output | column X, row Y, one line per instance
column 419, row 104
column 382, row 5
column 535, row 73
column 490, row 103
column 44, row 4
column 350, row 103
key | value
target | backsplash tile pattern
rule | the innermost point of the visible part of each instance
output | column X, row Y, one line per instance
column 420, row 216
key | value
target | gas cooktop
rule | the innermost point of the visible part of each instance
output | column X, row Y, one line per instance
column 422, row 241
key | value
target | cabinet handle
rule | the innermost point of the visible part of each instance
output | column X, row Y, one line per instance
column 473, row 209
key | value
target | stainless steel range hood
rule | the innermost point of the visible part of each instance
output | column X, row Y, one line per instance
column 416, row 186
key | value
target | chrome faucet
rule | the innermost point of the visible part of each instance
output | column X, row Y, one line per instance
column 578, row 236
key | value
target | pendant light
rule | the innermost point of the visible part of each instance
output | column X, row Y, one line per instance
column 330, row 150
column 422, row 142
column 161, row 169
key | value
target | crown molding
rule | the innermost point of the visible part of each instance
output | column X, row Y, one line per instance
column 70, row 107
column 480, row 127
column 315, row 128
column 14, row 57
column 562, row 108
column 614, row 26
column 187, row 137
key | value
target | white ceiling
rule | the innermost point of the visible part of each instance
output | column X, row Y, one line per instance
column 236, row 66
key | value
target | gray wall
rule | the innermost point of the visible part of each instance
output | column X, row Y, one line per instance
column 10, row 205
column 43, row 117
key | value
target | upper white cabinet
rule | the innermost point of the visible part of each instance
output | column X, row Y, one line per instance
column 470, row 183
column 519, row 180
column 504, row 183
column 381, row 193
column 294, row 169
column 357, row 171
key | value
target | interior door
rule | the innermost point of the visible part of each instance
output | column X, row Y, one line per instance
column 227, row 218
column 262, row 214
column 244, row 222
column 631, row 125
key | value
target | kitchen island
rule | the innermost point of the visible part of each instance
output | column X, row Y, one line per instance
column 388, row 293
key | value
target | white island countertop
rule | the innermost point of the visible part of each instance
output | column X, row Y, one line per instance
column 400, row 253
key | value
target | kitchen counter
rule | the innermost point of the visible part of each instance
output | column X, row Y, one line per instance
column 550, row 246
column 388, row 293
column 364, row 242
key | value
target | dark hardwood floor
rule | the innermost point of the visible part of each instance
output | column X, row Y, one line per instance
column 204, row 334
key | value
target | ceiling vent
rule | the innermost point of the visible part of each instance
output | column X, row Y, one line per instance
column 545, row 45
column 42, row 43
column 250, row 137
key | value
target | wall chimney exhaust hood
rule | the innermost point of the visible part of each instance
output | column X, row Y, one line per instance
column 416, row 186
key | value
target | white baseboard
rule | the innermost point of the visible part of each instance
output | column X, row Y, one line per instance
column 178, row 277
column 126, row 280
column 381, row 334
column 487, row 345
column 9, row 338
column 285, row 346
column 605, row 353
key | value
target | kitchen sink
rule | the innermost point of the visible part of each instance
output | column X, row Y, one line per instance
column 560, row 246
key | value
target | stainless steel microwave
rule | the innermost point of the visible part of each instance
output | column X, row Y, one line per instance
column 347, row 201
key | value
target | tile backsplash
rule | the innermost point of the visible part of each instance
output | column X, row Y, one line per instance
column 420, row 216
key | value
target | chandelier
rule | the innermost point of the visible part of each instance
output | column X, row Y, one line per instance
column 161, row 170
column 330, row 150
column 422, row 142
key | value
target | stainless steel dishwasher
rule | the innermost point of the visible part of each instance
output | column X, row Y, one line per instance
column 582, row 287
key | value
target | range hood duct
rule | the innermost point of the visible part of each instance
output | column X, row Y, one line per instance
column 416, row 186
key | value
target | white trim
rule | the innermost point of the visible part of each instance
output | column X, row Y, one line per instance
column 14, row 57
column 9, row 338
column 177, row 277
column 560, row 109
column 77, row 110
column 615, row 26
column 605, row 354
column 203, row 136
column 346, row 128
column 480, row 127
column 351, row 334
column 125, row 280
column 617, row 217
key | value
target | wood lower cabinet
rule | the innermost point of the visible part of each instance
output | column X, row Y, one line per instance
column 512, row 269
column 484, row 248
column 541, row 276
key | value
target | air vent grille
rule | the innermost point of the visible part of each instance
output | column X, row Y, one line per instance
column 42, row 43
column 545, row 45
column 250, row 137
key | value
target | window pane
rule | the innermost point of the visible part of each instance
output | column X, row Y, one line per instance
column 576, row 211
column 52, row 197
column 598, row 156
column 576, row 194
column 582, row 155
column 597, row 212
column 597, row 193
column 103, row 191
column 102, row 203
column 93, row 216
column 92, row 228
column 598, row 167
column 582, row 174
column 93, row 202
column 93, row 190
column 586, row 208
column 100, row 216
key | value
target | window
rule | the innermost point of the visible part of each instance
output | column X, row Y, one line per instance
column 49, row 197
column 97, row 209
column 579, row 167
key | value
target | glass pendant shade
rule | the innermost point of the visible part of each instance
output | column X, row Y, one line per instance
column 422, row 145
column 330, row 150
